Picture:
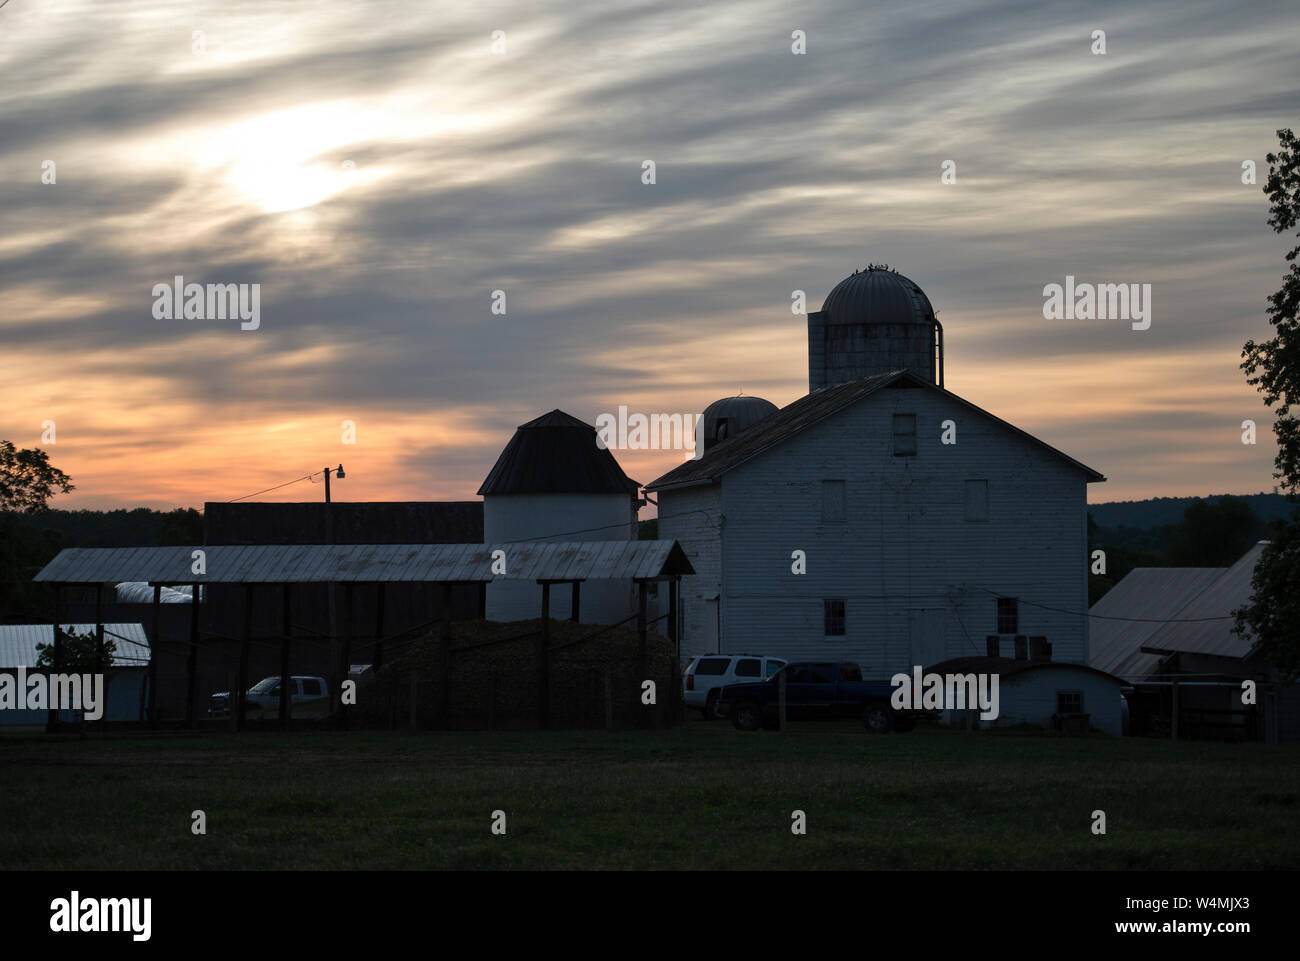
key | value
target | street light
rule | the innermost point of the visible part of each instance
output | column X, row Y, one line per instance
column 338, row 471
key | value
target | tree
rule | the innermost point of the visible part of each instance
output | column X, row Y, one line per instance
column 28, row 480
column 1272, row 616
column 78, row 654
column 1215, row 533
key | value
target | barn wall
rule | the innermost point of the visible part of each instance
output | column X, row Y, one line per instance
column 692, row 517
column 920, row 582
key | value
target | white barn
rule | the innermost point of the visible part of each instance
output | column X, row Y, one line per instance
column 927, row 528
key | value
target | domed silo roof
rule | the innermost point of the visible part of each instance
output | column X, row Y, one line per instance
column 729, row 416
column 556, row 454
column 877, row 295
column 875, row 321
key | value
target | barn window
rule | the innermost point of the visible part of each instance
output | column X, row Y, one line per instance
column 721, row 430
column 904, row 435
column 1069, row 702
column 833, row 612
column 977, row 500
column 832, row 502
column 1008, row 615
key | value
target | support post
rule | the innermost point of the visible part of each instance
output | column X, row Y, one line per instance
column 609, row 703
column 780, row 701
column 543, row 660
column 99, row 650
column 415, row 701
column 575, row 603
column 377, row 660
column 155, row 646
column 245, row 644
column 192, row 661
column 52, row 718
column 1173, row 714
column 443, row 699
column 286, row 631
column 232, row 680
column 482, row 601
column 345, row 653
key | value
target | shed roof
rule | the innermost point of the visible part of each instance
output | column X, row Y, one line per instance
column 18, row 642
column 1193, row 605
column 776, row 429
column 370, row 563
column 556, row 454
column 1008, row 667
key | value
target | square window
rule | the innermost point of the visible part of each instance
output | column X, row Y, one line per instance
column 977, row 500
column 1008, row 615
column 833, row 615
column 904, row 435
column 832, row 502
column 1069, row 702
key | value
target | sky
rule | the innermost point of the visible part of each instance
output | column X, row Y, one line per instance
column 379, row 169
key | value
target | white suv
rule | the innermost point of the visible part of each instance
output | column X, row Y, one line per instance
column 709, row 672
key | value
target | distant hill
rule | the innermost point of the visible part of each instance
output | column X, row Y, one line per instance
column 1162, row 511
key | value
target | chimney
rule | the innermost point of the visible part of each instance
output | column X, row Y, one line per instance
column 1039, row 649
column 1022, row 647
column 991, row 642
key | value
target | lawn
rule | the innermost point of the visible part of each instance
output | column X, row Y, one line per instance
column 704, row 796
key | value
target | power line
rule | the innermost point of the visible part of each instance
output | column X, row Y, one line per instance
column 1108, row 617
column 277, row 486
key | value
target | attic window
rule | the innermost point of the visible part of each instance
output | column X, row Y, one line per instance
column 904, row 435
column 1008, row 615
column 722, row 428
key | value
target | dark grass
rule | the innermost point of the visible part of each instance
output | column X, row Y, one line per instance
column 705, row 796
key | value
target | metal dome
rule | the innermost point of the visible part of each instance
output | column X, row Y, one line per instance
column 877, row 295
column 729, row 416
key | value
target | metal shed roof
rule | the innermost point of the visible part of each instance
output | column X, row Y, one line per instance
column 18, row 642
column 370, row 563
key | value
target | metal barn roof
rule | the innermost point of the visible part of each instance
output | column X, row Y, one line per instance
column 776, row 429
column 557, row 454
column 18, row 642
column 1192, row 607
column 370, row 563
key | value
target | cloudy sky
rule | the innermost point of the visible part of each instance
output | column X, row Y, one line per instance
column 379, row 169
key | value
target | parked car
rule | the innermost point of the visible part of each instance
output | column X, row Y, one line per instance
column 709, row 673
column 815, row 690
column 309, row 697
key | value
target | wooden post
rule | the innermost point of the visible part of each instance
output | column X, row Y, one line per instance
column 232, row 678
column 1173, row 717
column 377, row 661
column 780, row 701
column 286, row 683
column 415, row 701
column 245, row 644
column 643, row 590
column 155, row 647
column 543, row 660
column 345, row 654
column 482, row 601
column 492, row 697
column 609, row 703
column 99, row 652
column 443, row 699
column 52, row 717
column 679, row 705
column 192, row 662
column 574, row 604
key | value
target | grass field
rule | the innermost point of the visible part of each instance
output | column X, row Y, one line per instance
column 705, row 796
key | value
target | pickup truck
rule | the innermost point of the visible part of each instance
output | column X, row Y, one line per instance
column 815, row 690
column 308, row 698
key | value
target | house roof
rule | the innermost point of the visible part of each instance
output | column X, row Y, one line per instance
column 776, row 429
column 370, row 563
column 556, row 454
column 18, row 642
column 1008, row 667
column 1193, row 607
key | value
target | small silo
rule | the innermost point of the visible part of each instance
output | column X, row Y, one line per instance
column 729, row 416
column 554, row 483
column 873, row 322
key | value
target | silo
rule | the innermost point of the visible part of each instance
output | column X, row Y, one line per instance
column 873, row 322
column 554, row 483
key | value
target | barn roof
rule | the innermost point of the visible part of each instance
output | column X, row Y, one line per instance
column 776, row 429
column 18, row 642
column 556, row 454
column 1130, row 612
column 1008, row 667
column 370, row 563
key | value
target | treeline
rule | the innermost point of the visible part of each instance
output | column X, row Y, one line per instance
column 1212, row 532
column 30, row 541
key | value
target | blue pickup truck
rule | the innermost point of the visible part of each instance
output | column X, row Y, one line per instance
column 815, row 690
